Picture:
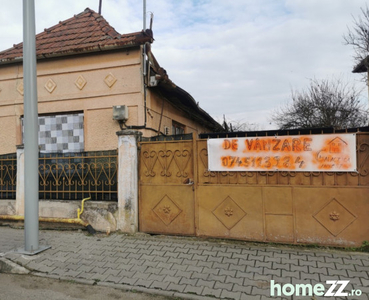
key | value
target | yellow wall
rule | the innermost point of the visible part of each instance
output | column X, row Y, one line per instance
column 92, row 84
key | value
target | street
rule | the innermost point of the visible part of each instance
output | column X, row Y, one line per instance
column 28, row 287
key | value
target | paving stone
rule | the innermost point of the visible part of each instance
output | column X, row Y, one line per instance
column 295, row 268
column 181, row 250
column 193, row 289
column 346, row 267
column 264, row 252
column 281, row 266
column 128, row 280
column 167, row 272
column 255, row 257
column 177, row 261
column 263, row 277
column 254, row 270
column 263, row 264
column 200, row 257
column 337, row 272
column 316, row 258
column 231, row 273
column 230, row 295
column 113, row 278
column 194, row 269
column 176, row 287
column 211, row 292
column 162, row 285
column 248, row 275
column 233, row 261
column 338, row 260
column 195, row 251
column 361, row 268
column 47, row 269
column 311, row 276
column 144, row 283
column 125, row 273
column 113, row 272
column 261, row 292
column 184, row 274
column 282, row 255
column 250, row 297
column 156, row 277
column 318, row 270
column 249, row 251
column 214, row 277
column 241, row 268
column 189, row 262
column 98, row 276
column 245, row 262
column 215, row 259
column 308, row 263
column 223, row 286
column 140, row 275
column 272, row 272
column 185, row 256
column 361, row 274
column 224, row 254
column 138, row 268
column 172, row 279
column 200, row 276
column 205, row 283
column 234, row 280
column 242, row 289
column 207, row 264
column 272, row 259
column 161, row 258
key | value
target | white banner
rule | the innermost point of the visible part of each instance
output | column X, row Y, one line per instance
column 306, row 153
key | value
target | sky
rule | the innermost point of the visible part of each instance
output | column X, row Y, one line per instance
column 239, row 58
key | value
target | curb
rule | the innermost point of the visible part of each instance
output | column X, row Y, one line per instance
column 7, row 266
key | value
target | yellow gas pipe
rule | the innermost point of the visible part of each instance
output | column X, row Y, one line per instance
column 77, row 221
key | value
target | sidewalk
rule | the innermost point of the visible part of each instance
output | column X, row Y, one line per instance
column 185, row 267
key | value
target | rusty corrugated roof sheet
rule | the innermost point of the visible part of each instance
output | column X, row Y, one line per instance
column 85, row 32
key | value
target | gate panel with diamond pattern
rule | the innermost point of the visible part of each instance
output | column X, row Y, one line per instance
column 166, row 189
column 179, row 195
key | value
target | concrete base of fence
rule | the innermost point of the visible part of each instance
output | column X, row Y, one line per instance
column 128, row 181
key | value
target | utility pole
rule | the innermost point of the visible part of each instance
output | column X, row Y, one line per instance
column 31, row 214
column 144, row 15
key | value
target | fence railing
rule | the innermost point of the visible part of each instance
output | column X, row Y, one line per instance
column 74, row 176
column 8, row 176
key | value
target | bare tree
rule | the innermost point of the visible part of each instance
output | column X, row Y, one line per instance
column 239, row 125
column 358, row 38
column 326, row 103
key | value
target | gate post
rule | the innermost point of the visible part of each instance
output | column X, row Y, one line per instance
column 19, row 200
column 128, row 180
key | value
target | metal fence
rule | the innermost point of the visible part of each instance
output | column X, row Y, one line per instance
column 74, row 176
column 8, row 176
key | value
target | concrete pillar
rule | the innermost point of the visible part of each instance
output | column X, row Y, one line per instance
column 128, row 180
column 19, row 200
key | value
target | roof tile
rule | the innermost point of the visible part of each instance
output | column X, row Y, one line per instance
column 84, row 32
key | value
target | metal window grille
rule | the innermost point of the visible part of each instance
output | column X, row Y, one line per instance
column 8, row 176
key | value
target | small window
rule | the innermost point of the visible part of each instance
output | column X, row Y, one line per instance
column 177, row 128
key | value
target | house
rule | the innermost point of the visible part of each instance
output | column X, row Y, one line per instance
column 84, row 69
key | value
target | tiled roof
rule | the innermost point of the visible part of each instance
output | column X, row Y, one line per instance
column 85, row 32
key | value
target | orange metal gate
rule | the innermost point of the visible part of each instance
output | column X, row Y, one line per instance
column 166, row 188
column 179, row 195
